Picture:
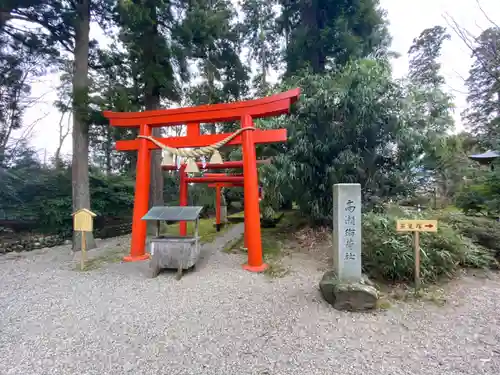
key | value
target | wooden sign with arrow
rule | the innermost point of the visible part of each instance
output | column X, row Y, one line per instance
column 417, row 226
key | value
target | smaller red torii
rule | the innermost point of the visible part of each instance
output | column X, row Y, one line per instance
column 215, row 180
column 245, row 112
column 218, row 190
column 218, row 204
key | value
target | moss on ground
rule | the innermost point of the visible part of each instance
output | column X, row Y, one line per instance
column 111, row 255
column 273, row 240
column 404, row 293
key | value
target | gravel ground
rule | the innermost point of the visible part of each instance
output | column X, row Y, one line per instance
column 222, row 320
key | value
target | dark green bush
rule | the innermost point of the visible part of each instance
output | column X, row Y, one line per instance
column 482, row 195
column 44, row 195
column 388, row 254
column 482, row 231
column 472, row 200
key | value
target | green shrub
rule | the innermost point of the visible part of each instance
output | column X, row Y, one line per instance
column 44, row 195
column 482, row 231
column 472, row 200
column 388, row 254
column 414, row 201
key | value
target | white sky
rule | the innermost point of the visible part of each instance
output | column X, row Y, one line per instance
column 407, row 19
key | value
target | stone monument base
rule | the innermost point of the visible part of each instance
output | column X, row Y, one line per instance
column 350, row 296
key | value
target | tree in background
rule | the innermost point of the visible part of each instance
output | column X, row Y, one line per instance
column 425, row 76
column 449, row 166
column 321, row 34
column 351, row 125
column 59, row 24
column 149, row 30
column 354, row 122
column 444, row 160
column 19, row 67
column 262, row 40
column 114, row 86
column 483, row 114
column 214, row 37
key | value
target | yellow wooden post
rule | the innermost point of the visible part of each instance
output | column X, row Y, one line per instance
column 83, row 222
column 416, row 226
column 416, row 243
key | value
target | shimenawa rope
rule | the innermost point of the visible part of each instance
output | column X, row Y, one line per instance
column 197, row 152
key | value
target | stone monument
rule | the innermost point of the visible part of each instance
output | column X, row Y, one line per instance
column 345, row 287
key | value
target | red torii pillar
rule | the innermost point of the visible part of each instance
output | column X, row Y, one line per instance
column 245, row 112
column 218, row 190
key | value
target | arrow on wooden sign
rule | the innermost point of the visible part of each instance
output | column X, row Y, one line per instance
column 416, row 226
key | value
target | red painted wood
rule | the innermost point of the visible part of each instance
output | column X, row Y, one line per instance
column 269, row 106
column 251, row 201
column 203, row 180
column 225, row 184
column 267, row 110
column 226, row 165
column 217, row 205
column 260, row 136
column 221, row 175
column 141, row 199
column 183, row 198
column 240, row 111
column 193, row 130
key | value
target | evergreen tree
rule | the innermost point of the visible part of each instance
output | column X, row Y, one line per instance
column 18, row 68
column 65, row 24
column 214, row 38
column 483, row 114
column 427, row 81
column 114, row 87
column 424, row 54
column 354, row 124
column 262, row 40
column 435, row 107
column 323, row 33
column 150, row 32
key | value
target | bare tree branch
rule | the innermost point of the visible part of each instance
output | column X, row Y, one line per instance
column 63, row 133
column 486, row 15
column 471, row 42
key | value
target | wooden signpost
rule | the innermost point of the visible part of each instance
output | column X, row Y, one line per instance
column 416, row 226
column 83, row 222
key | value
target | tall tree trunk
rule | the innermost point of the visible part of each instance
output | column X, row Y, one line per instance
column 156, row 186
column 108, row 150
column 152, row 101
column 80, row 163
column 211, row 127
column 310, row 16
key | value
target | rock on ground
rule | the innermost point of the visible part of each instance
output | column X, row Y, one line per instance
column 221, row 320
column 356, row 296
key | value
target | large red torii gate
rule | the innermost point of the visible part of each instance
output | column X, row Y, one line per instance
column 245, row 112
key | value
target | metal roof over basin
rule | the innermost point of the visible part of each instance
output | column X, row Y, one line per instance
column 173, row 213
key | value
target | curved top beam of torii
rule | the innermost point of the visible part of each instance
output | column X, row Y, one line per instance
column 273, row 105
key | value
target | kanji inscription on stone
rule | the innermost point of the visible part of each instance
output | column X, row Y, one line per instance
column 347, row 231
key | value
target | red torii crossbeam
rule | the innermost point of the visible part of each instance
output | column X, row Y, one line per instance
column 245, row 112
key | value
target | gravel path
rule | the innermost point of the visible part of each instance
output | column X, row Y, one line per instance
column 222, row 320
